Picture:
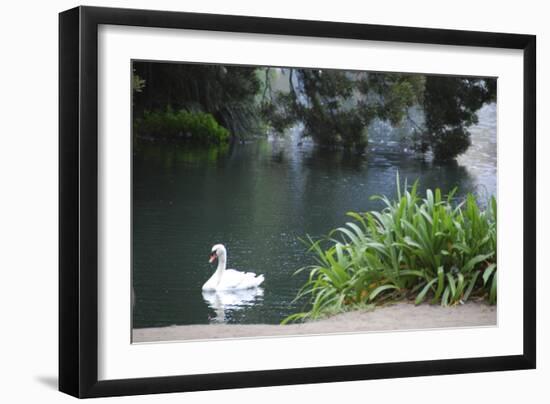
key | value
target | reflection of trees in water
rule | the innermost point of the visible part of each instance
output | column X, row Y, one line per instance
column 318, row 173
column 319, row 176
column 345, row 181
column 322, row 158
column 168, row 154
column 446, row 176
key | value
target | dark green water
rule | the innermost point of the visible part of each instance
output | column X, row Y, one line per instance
column 258, row 199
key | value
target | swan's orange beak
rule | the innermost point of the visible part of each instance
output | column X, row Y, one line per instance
column 213, row 257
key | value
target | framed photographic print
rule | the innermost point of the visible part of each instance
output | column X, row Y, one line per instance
column 250, row 201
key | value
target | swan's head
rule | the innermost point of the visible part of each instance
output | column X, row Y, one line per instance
column 218, row 250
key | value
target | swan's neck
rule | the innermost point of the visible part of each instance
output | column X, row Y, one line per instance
column 222, row 261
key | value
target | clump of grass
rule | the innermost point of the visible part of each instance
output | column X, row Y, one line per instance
column 415, row 248
column 198, row 127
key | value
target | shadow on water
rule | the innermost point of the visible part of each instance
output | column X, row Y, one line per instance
column 258, row 199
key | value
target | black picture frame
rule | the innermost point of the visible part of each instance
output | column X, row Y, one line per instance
column 78, row 200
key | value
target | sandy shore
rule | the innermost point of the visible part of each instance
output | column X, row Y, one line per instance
column 400, row 316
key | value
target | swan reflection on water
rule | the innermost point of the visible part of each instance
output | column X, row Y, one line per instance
column 223, row 302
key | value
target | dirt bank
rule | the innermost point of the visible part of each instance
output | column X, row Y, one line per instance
column 400, row 316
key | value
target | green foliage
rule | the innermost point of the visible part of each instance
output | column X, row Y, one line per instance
column 390, row 95
column 450, row 107
column 414, row 248
column 138, row 84
column 337, row 106
column 228, row 93
column 198, row 127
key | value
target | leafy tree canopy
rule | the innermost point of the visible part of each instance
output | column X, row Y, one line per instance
column 334, row 107
column 337, row 106
column 450, row 107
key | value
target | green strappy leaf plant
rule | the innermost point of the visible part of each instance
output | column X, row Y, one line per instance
column 434, row 248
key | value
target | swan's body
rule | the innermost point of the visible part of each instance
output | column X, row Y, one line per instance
column 229, row 279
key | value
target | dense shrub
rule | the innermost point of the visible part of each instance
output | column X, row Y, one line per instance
column 198, row 127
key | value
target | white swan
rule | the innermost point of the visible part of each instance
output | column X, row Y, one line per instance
column 229, row 279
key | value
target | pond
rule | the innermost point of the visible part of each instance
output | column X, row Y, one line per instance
column 259, row 199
